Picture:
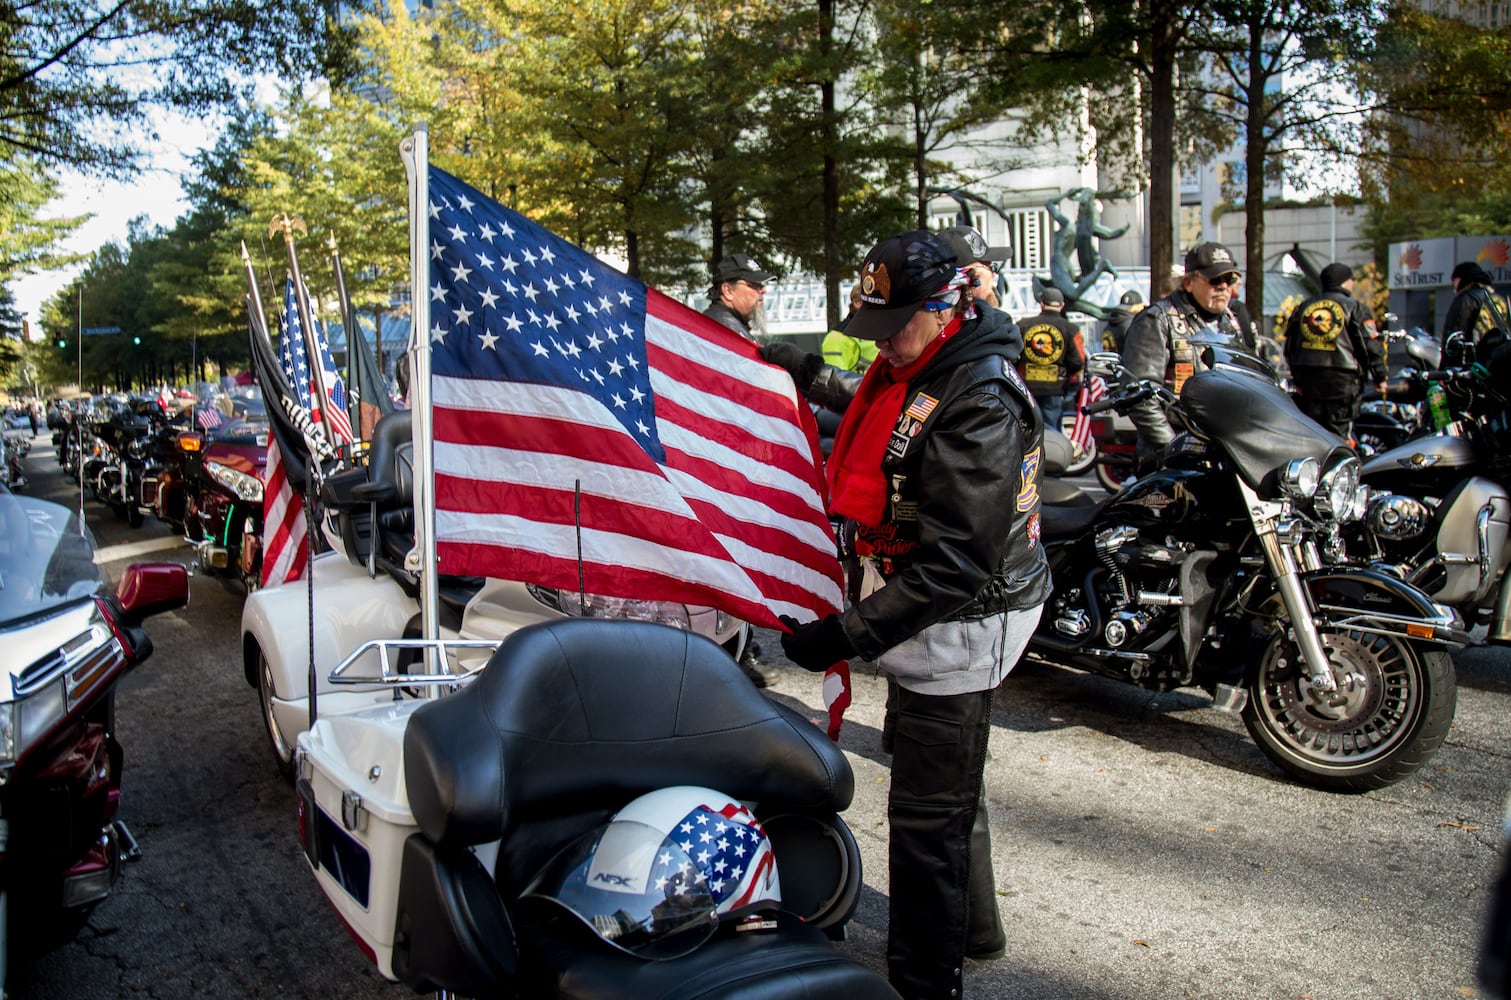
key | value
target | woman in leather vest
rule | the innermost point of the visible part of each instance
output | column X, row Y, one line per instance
column 936, row 471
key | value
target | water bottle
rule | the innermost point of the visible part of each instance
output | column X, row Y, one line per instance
column 1437, row 405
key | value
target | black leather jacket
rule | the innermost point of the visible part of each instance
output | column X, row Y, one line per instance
column 1164, row 345
column 725, row 316
column 1327, row 331
column 960, row 536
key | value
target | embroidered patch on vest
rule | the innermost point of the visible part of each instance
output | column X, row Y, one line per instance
column 921, row 406
column 1028, row 489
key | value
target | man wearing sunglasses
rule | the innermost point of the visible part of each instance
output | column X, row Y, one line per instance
column 737, row 293
column 1164, row 341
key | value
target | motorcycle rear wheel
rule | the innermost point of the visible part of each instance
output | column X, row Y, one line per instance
column 1392, row 711
column 282, row 747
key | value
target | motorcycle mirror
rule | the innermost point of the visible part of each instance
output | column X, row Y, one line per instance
column 1458, row 350
column 1104, row 364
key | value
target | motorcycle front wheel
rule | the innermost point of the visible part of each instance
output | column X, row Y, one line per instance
column 1391, row 712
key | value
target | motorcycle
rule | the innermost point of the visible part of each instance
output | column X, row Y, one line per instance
column 13, row 466
column 1225, row 569
column 1391, row 418
column 367, row 590
column 211, row 488
column 499, row 840
column 70, row 642
column 1439, row 514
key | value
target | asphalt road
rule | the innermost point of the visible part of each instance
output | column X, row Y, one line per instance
column 1143, row 846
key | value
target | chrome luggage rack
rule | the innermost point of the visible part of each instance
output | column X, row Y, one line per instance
column 438, row 650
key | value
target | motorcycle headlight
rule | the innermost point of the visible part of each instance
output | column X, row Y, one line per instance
column 576, row 605
column 1336, row 493
column 244, row 486
column 1299, row 478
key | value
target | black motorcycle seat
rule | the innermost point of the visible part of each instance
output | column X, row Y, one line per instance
column 792, row 961
column 573, row 718
column 1067, row 511
column 1258, row 424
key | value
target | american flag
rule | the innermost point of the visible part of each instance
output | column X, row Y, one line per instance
column 1092, row 389
column 585, row 421
column 296, row 366
column 283, row 531
column 208, row 417
column 730, row 854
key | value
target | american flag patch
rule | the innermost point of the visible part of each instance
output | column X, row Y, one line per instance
column 921, row 406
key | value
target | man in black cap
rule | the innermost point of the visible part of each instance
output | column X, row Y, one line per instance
column 935, row 471
column 1327, row 345
column 1053, row 355
column 1476, row 309
column 1164, row 341
column 739, row 284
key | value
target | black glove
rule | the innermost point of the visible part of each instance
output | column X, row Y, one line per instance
column 816, row 646
column 801, row 365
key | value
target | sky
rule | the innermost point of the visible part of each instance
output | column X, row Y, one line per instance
column 157, row 193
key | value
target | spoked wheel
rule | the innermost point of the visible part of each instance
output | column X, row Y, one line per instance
column 1114, row 477
column 1080, row 459
column 281, row 745
column 1391, row 712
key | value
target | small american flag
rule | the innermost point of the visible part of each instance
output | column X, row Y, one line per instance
column 734, row 858
column 208, row 417
column 1092, row 389
column 587, row 423
column 296, row 366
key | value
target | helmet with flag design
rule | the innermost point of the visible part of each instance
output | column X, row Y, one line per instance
column 656, row 880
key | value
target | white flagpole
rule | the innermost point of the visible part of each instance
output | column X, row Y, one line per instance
column 415, row 152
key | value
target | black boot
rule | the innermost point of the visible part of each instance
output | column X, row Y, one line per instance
column 750, row 665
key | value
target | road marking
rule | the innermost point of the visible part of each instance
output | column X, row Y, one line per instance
column 129, row 550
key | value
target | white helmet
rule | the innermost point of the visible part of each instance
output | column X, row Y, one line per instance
column 657, row 878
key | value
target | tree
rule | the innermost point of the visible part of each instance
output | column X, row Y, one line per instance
column 29, row 242
column 77, row 77
column 1431, row 159
column 1273, row 83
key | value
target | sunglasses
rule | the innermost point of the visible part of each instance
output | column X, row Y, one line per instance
column 1225, row 281
column 754, row 286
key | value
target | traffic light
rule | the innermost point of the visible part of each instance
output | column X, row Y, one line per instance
column 136, row 340
column 62, row 342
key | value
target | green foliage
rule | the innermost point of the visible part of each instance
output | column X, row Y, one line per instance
column 1433, row 161
column 28, row 241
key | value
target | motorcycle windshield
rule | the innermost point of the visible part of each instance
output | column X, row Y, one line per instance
column 1257, row 424
column 44, row 560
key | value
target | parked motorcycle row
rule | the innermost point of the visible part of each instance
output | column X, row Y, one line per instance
column 192, row 467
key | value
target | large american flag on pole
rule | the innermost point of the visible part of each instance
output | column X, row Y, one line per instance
column 587, row 423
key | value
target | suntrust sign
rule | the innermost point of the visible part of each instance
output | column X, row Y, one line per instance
column 1428, row 263
column 1421, row 263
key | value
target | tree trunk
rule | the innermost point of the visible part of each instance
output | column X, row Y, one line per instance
column 1164, row 39
column 1253, row 160
column 830, row 128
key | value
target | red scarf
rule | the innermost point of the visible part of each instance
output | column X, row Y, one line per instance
column 857, row 487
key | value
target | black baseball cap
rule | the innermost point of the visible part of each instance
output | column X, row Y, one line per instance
column 970, row 246
column 741, row 267
column 899, row 276
column 1210, row 260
